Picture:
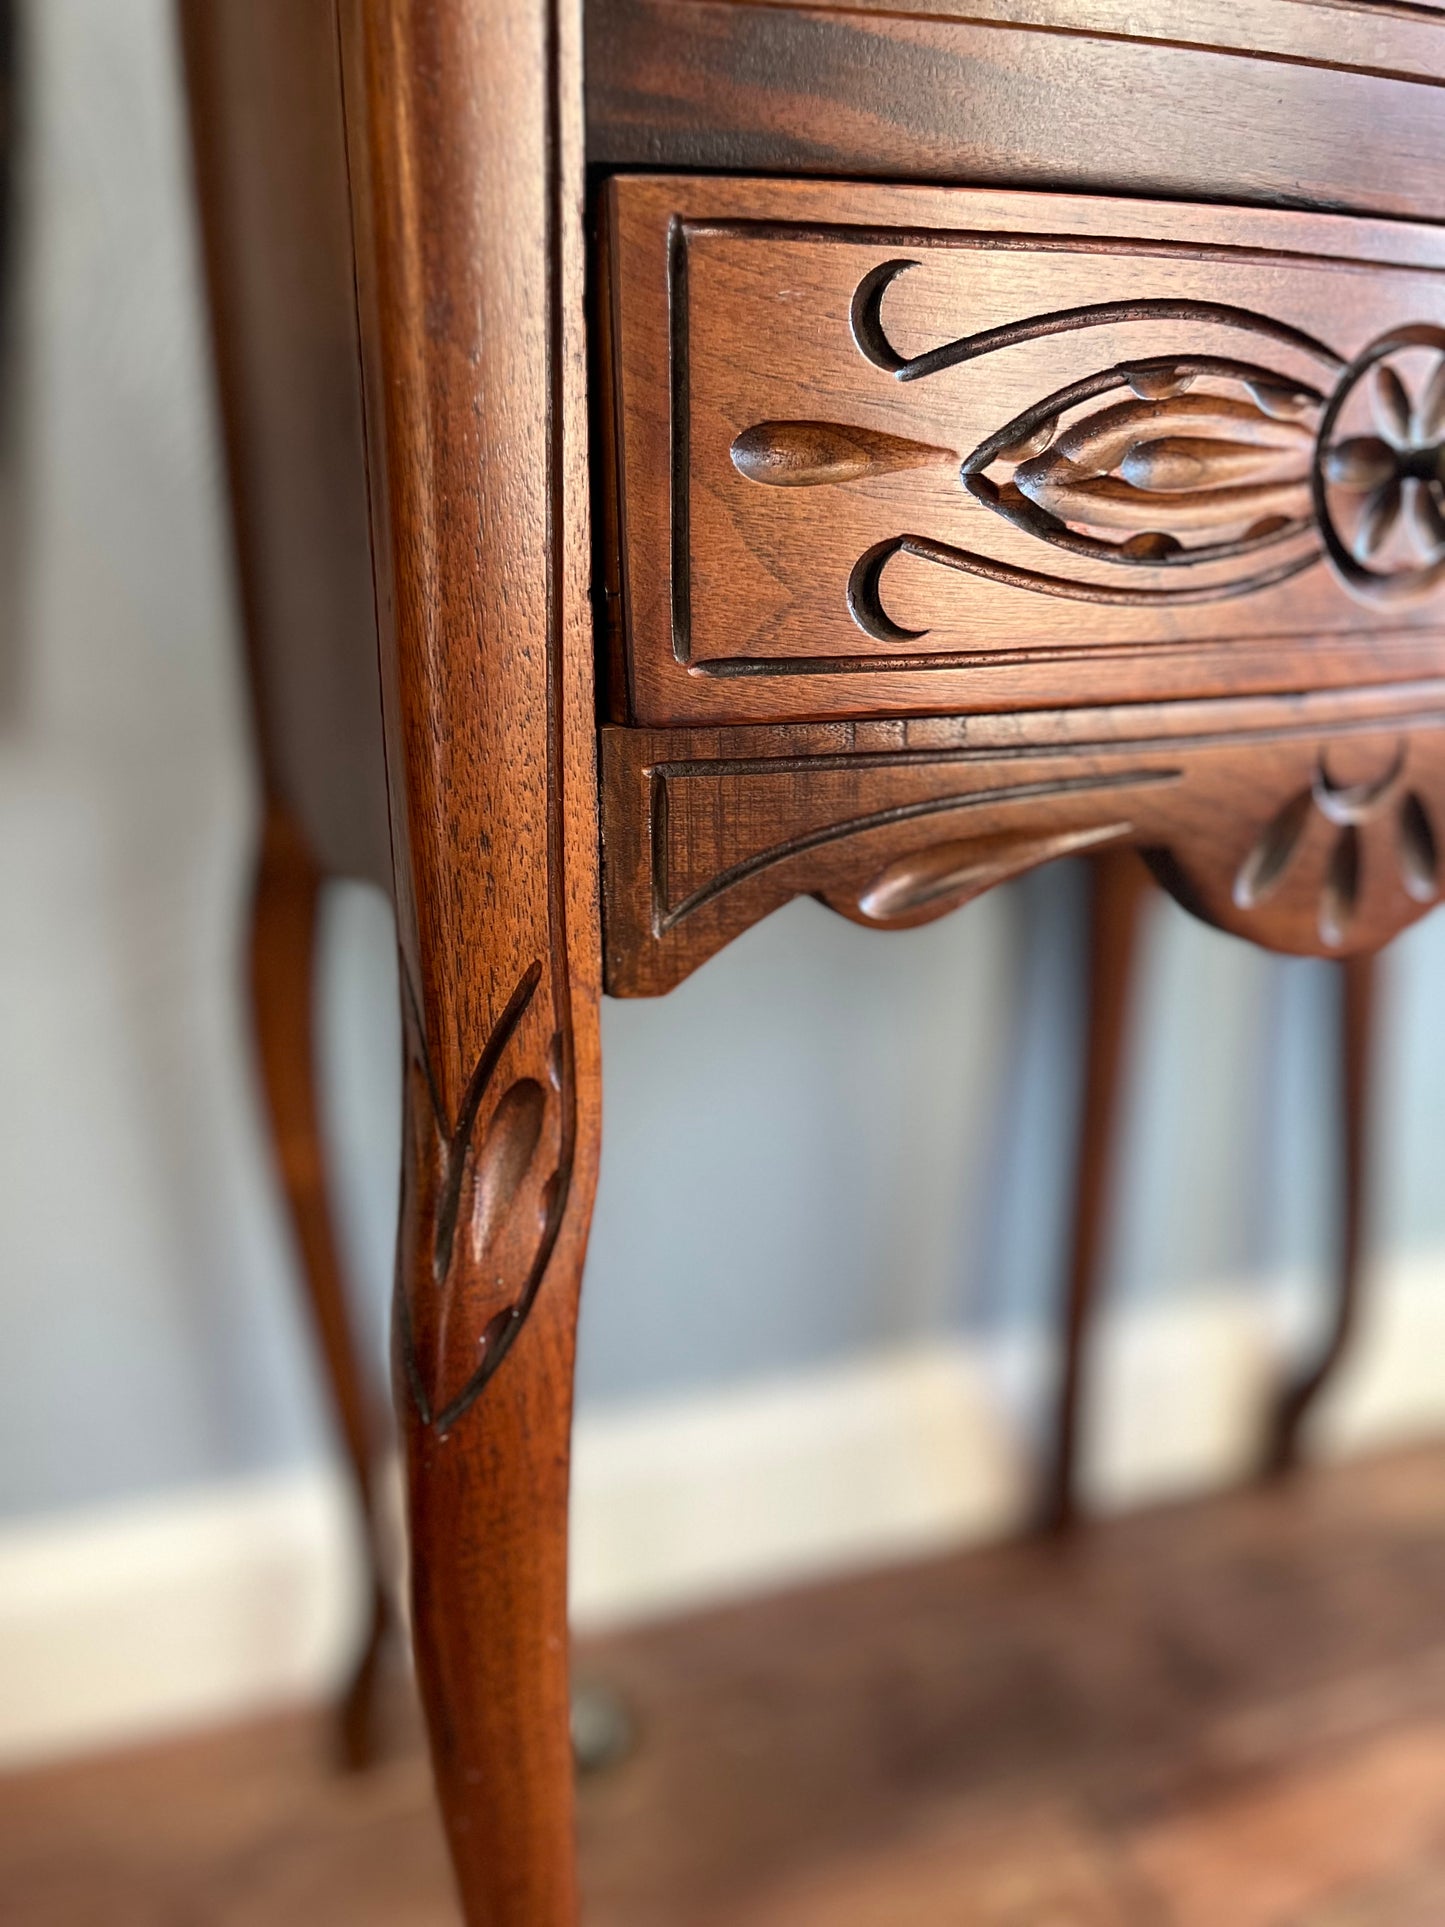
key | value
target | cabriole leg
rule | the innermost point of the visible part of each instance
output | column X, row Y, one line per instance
column 1117, row 886
column 484, row 1389
column 464, row 125
column 1357, row 983
column 283, row 980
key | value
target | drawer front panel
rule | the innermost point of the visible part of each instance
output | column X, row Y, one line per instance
column 896, row 451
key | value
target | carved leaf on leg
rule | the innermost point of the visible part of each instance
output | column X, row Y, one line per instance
column 466, row 1180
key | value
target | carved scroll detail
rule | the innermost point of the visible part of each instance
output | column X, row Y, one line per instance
column 926, row 883
column 870, row 905
column 1159, row 465
column 1308, row 824
column 1400, row 468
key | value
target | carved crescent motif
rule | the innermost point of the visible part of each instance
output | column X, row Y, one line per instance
column 1161, row 464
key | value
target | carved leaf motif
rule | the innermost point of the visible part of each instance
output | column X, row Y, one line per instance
column 1380, row 499
column 1360, row 462
column 1273, row 853
column 1377, row 521
column 810, row 454
column 463, row 1181
column 502, row 1163
column 1340, row 897
column 1167, row 464
column 1243, row 824
column 1176, row 465
column 1394, row 478
column 1354, row 830
column 1428, row 424
column 1426, row 514
column 944, row 876
column 1418, row 850
column 1392, row 405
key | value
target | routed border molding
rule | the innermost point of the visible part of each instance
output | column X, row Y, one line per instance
column 1311, row 824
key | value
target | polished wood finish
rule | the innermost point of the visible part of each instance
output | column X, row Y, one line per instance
column 1109, row 525
column 1118, row 887
column 422, row 504
column 1010, row 451
column 1231, row 1711
column 1166, row 99
column 283, row 985
column 464, row 126
column 1405, row 41
column 1305, row 823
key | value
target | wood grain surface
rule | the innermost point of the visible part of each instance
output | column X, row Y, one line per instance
column 1231, row 1711
column 464, row 126
column 1290, row 102
column 1361, row 36
column 1309, row 824
column 891, row 451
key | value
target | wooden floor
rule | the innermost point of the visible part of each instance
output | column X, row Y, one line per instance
column 1224, row 1715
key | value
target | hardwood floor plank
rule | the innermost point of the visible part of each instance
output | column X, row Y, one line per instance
column 1226, row 1711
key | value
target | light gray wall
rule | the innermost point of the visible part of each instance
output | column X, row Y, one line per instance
column 826, row 1141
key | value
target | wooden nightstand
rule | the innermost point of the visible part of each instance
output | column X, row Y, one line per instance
column 840, row 449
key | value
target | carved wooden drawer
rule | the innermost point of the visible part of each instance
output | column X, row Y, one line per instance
column 899, row 451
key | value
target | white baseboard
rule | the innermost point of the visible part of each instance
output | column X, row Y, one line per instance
column 225, row 1602
column 147, row 1618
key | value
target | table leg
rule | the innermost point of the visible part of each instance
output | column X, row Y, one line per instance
column 282, row 985
column 464, row 126
column 487, row 1490
column 1118, row 883
column 1357, row 985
